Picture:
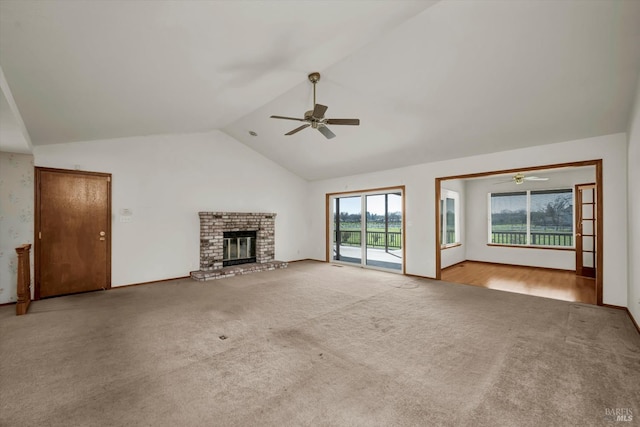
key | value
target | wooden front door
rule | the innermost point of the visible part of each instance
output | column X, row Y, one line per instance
column 586, row 220
column 73, row 232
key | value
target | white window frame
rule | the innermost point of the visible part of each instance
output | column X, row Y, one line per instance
column 444, row 195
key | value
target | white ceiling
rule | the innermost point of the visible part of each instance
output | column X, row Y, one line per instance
column 429, row 80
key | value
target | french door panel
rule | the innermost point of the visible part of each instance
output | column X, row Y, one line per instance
column 586, row 230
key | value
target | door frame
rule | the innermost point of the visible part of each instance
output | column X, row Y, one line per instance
column 599, row 209
column 36, row 225
column 369, row 191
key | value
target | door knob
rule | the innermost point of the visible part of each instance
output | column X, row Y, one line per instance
column 102, row 233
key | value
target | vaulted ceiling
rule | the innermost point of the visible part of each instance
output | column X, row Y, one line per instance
column 429, row 80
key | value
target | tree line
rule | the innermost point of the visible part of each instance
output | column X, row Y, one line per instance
column 371, row 217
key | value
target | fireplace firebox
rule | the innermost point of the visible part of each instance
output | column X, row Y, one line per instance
column 238, row 247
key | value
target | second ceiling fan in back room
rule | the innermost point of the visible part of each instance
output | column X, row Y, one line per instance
column 315, row 118
column 520, row 178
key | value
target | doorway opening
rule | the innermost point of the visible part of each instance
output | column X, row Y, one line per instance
column 533, row 217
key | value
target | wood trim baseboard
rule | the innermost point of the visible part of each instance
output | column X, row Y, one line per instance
column 8, row 303
column 417, row 276
column 633, row 320
column 147, row 283
column 518, row 265
column 455, row 245
column 619, row 307
column 454, row 265
column 122, row 286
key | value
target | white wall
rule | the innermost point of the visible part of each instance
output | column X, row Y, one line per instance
column 420, row 199
column 478, row 218
column 634, row 210
column 166, row 180
column 16, row 218
column 456, row 254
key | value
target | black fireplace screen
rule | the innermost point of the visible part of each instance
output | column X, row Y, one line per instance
column 239, row 247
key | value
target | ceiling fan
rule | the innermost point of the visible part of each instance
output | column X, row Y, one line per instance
column 315, row 118
column 520, row 178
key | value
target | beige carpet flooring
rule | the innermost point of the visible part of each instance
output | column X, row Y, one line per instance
column 315, row 345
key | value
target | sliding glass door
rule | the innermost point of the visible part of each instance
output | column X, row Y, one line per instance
column 348, row 229
column 373, row 239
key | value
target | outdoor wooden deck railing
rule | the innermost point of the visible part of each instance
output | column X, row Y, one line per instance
column 375, row 239
column 539, row 238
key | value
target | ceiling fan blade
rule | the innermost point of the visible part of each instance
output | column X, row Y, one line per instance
column 319, row 110
column 296, row 130
column 535, row 178
column 326, row 132
column 354, row 122
column 503, row 182
column 288, row 118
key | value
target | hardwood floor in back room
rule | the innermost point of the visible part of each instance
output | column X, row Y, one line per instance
column 542, row 282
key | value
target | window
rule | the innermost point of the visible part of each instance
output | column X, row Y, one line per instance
column 532, row 218
column 449, row 218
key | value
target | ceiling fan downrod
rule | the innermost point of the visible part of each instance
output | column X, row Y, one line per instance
column 314, row 78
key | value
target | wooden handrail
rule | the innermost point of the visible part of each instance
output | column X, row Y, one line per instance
column 24, row 280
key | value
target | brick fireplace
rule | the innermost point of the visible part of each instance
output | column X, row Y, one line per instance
column 214, row 225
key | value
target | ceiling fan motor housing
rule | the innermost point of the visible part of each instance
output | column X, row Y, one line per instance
column 308, row 116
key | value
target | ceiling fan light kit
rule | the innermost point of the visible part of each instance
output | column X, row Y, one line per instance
column 315, row 118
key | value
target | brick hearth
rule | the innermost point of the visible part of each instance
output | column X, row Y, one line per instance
column 213, row 225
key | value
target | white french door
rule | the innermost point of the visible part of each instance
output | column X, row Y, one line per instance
column 366, row 229
column 586, row 220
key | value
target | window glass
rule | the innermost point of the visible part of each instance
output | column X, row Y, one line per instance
column 552, row 218
column 509, row 218
column 449, row 218
column 537, row 218
column 451, row 221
